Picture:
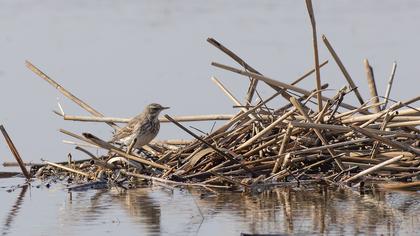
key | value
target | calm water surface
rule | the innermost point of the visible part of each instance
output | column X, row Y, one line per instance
column 159, row 211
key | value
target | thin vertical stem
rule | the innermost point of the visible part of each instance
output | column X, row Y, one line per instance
column 284, row 143
column 388, row 88
column 343, row 69
column 316, row 57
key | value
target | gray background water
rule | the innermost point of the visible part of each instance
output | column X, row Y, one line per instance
column 121, row 55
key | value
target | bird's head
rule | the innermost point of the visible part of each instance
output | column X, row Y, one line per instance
column 154, row 109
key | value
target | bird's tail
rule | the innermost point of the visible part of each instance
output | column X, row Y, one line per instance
column 98, row 141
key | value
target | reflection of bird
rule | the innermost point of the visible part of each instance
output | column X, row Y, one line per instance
column 144, row 127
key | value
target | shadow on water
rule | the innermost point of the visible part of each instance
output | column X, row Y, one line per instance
column 14, row 211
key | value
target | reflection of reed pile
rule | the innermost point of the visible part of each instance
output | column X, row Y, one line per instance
column 310, row 137
column 309, row 210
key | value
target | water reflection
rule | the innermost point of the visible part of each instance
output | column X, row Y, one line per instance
column 84, row 208
column 141, row 208
column 93, row 208
column 155, row 211
column 14, row 211
column 285, row 210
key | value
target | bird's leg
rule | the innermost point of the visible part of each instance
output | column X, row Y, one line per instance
column 131, row 145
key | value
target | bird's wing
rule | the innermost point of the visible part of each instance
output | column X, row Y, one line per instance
column 126, row 130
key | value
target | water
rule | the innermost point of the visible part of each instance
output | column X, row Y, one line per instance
column 159, row 211
column 119, row 56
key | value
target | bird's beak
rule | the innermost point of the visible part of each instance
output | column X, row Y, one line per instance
column 164, row 108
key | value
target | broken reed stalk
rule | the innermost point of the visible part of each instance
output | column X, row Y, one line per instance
column 388, row 117
column 69, row 160
column 403, row 124
column 96, row 160
column 79, row 144
column 372, row 85
column 383, row 113
column 350, row 113
column 285, row 141
column 161, row 119
column 390, row 81
column 400, row 186
column 316, row 57
column 385, row 168
column 172, row 142
column 267, row 129
column 254, row 82
column 270, row 127
column 341, row 128
column 15, row 164
column 299, row 107
column 86, row 152
column 394, row 107
column 241, row 116
column 111, row 148
column 89, row 138
column 335, row 145
column 408, row 112
column 69, row 169
column 308, row 73
column 174, row 182
column 209, row 145
column 247, row 67
column 343, row 69
column 8, row 174
column 15, row 153
column 374, row 168
column 306, row 168
column 398, row 105
column 78, row 137
column 400, row 118
column 37, row 165
column 66, row 93
column 279, row 84
column 391, row 143
column 230, row 180
column 230, row 95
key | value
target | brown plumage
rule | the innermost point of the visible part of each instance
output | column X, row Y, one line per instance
column 144, row 127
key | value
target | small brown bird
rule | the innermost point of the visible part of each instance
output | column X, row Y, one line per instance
column 143, row 127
